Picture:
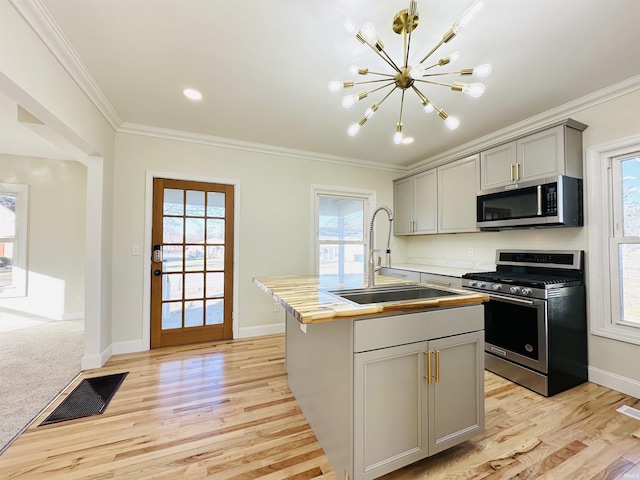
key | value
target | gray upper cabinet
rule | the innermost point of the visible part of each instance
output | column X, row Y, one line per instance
column 458, row 183
column 415, row 201
column 554, row 151
column 440, row 200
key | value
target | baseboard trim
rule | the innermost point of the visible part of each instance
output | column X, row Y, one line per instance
column 73, row 316
column 89, row 362
column 132, row 346
column 616, row 382
column 260, row 330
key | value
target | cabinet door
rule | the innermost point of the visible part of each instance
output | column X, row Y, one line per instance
column 541, row 154
column 456, row 391
column 497, row 166
column 403, row 206
column 426, row 202
column 389, row 416
column 458, row 183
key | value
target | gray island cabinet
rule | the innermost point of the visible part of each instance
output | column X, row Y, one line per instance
column 382, row 392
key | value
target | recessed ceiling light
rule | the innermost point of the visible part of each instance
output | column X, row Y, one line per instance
column 192, row 94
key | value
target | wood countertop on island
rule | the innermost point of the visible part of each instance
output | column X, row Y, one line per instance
column 306, row 297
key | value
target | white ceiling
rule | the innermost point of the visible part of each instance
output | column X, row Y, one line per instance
column 263, row 66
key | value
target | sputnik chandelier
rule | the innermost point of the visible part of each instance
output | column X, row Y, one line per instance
column 406, row 76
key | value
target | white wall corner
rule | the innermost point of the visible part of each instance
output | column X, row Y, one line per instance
column 90, row 362
column 616, row 382
column 260, row 330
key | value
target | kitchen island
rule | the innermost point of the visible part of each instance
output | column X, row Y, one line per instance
column 383, row 384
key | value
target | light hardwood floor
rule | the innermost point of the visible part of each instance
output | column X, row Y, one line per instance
column 223, row 410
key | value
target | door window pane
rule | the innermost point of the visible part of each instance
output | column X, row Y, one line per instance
column 215, row 204
column 193, row 314
column 195, row 203
column 215, row 284
column 194, row 259
column 194, row 230
column 172, row 286
column 215, row 312
column 193, row 285
column 171, row 258
column 215, row 231
column 171, row 315
column 215, row 258
column 172, row 230
column 173, row 202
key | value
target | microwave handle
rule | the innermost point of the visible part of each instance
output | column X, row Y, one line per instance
column 539, row 189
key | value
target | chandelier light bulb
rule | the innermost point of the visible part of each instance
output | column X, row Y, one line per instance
column 353, row 129
column 350, row 26
column 474, row 90
column 468, row 16
column 428, row 107
column 350, row 100
column 482, row 70
column 454, row 56
column 369, row 113
column 369, row 33
column 452, row 122
column 334, row 86
column 397, row 138
column 417, row 71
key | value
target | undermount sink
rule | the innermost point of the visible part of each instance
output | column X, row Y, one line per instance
column 391, row 293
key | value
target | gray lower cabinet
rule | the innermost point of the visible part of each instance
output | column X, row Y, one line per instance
column 413, row 401
column 381, row 393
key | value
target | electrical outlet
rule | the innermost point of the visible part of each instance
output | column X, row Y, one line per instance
column 470, row 251
column 276, row 307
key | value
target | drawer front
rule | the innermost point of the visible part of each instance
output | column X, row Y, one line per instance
column 382, row 332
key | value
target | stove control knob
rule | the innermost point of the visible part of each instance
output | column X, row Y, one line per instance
column 472, row 283
column 497, row 286
column 514, row 289
column 482, row 285
column 525, row 291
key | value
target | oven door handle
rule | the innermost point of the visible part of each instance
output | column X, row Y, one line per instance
column 511, row 299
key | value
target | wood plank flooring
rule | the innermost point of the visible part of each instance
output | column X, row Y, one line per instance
column 224, row 411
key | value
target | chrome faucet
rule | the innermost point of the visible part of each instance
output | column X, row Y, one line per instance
column 372, row 268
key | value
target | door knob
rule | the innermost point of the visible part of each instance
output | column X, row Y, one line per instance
column 157, row 272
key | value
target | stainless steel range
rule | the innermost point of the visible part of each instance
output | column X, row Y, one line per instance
column 535, row 322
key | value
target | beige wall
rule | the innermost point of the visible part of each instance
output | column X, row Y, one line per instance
column 608, row 121
column 33, row 77
column 56, row 235
column 273, row 200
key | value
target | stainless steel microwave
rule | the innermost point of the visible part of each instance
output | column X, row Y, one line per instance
column 549, row 202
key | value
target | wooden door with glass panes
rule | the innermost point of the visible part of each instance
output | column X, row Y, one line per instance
column 192, row 262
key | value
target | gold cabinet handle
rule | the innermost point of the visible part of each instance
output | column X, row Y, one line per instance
column 517, row 171
column 511, row 171
column 428, row 375
column 437, row 366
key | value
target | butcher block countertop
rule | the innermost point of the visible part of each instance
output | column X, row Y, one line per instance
column 306, row 298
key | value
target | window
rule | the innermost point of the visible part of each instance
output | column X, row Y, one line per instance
column 340, row 234
column 624, row 247
column 613, row 200
column 13, row 240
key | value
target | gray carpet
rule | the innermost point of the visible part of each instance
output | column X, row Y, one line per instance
column 36, row 363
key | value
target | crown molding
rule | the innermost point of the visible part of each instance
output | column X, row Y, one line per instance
column 42, row 23
column 203, row 139
column 531, row 124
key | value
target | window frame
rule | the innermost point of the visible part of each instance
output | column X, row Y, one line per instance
column 18, row 287
column 317, row 191
column 603, row 269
